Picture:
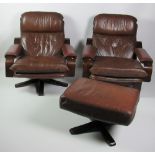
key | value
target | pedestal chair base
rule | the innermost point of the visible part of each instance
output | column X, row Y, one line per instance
column 92, row 127
column 39, row 84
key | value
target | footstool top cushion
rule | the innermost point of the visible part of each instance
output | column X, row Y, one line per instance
column 101, row 101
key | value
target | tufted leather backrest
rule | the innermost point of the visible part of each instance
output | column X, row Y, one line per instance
column 42, row 33
column 114, row 35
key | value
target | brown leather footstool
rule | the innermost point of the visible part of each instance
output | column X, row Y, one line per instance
column 101, row 102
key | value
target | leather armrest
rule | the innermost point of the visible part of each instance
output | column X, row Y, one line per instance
column 71, row 63
column 68, row 51
column 14, row 51
column 89, row 52
column 143, row 57
column 70, row 57
column 88, row 55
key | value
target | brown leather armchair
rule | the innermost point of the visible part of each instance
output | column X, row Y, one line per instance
column 113, row 54
column 42, row 52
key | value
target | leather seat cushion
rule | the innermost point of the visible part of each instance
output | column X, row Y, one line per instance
column 40, row 64
column 101, row 101
column 117, row 67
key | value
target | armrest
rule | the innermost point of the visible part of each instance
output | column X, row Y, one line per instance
column 68, row 51
column 89, row 52
column 70, row 57
column 14, row 51
column 143, row 57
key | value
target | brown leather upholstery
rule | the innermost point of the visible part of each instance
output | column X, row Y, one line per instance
column 115, row 24
column 14, row 51
column 42, row 21
column 144, row 57
column 40, row 49
column 33, row 65
column 101, row 101
column 68, row 50
column 117, row 67
column 115, row 46
column 42, row 33
column 89, row 52
column 114, row 37
column 42, row 44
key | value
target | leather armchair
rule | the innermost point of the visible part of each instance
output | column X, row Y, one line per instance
column 113, row 54
column 42, row 52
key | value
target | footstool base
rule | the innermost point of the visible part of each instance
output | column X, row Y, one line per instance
column 92, row 127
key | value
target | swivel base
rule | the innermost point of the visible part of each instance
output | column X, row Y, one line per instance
column 95, row 126
column 39, row 84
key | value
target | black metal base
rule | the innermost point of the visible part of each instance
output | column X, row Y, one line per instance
column 95, row 126
column 39, row 84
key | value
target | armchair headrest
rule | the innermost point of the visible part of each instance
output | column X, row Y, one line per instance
column 42, row 22
column 115, row 24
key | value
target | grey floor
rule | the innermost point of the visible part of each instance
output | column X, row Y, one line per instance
column 32, row 123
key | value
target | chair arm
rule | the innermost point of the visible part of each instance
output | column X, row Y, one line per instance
column 71, row 63
column 143, row 57
column 68, row 51
column 14, row 51
column 89, row 52
column 88, row 55
column 87, row 64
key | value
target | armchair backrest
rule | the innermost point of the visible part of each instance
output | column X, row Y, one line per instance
column 42, row 33
column 115, row 35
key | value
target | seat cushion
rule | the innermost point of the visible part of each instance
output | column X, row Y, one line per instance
column 39, row 64
column 117, row 67
column 101, row 101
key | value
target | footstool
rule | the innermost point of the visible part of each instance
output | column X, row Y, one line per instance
column 104, row 103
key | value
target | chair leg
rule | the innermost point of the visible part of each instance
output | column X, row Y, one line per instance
column 94, row 126
column 107, row 137
column 25, row 83
column 55, row 82
column 86, row 128
column 40, row 87
column 39, row 84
